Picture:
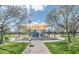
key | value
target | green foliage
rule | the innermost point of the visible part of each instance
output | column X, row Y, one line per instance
column 12, row 48
column 64, row 47
column 6, row 39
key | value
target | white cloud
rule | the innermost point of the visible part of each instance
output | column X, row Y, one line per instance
column 36, row 7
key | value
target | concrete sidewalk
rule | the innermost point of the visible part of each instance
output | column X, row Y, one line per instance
column 39, row 48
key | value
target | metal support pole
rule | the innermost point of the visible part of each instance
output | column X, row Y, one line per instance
column 29, row 35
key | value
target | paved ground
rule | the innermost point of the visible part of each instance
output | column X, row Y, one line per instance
column 39, row 48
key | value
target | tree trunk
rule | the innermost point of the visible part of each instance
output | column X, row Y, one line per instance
column 74, row 33
column 62, row 34
column 68, row 34
column 69, row 37
column 1, row 36
column 19, row 34
column 54, row 34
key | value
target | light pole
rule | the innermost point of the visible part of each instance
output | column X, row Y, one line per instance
column 29, row 34
column 29, row 27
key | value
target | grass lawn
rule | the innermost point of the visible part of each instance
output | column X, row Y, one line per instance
column 63, row 47
column 13, row 47
column 7, row 36
column 14, row 35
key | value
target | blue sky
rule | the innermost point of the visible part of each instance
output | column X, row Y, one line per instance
column 39, row 16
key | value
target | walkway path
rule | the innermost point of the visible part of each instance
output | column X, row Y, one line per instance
column 39, row 48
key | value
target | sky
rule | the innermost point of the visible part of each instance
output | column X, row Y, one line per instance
column 39, row 12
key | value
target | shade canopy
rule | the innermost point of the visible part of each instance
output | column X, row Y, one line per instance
column 35, row 26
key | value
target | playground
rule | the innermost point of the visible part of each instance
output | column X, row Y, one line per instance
column 54, row 29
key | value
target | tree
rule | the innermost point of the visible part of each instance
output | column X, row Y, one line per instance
column 11, row 15
column 65, row 16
